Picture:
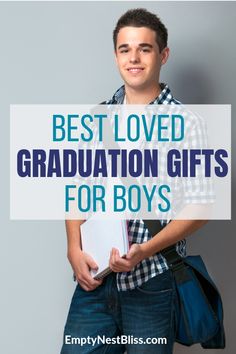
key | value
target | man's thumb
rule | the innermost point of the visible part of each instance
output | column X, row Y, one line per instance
column 131, row 252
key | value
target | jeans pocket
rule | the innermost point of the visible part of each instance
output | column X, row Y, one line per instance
column 160, row 284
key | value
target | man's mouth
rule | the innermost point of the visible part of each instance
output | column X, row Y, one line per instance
column 135, row 70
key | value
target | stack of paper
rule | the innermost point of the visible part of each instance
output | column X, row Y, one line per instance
column 98, row 237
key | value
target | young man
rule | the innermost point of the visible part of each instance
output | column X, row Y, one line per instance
column 138, row 299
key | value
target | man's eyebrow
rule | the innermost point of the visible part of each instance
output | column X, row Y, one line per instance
column 123, row 46
column 140, row 45
column 145, row 45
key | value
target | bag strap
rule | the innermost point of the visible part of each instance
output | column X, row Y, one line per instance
column 173, row 259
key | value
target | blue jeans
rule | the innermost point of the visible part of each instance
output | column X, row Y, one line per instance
column 143, row 313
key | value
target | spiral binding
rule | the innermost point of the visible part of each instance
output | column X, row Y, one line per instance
column 103, row 274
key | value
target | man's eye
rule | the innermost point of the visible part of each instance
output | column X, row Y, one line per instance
column 145, row 50
column 124, row 51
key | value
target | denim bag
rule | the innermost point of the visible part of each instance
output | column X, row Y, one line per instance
column 200, row 310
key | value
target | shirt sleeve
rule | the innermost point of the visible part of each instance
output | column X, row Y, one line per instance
column 198, row 189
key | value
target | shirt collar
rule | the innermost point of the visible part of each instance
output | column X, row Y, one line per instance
column 165, row 96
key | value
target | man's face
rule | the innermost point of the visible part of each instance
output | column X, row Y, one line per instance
column 138, row 57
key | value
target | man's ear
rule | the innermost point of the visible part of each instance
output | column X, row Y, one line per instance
column 115, row 57
column 165, row 55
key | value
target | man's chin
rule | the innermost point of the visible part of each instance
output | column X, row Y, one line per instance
column 137, row 86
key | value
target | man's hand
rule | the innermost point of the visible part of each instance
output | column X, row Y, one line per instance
column 82, row 263
column 125, row 264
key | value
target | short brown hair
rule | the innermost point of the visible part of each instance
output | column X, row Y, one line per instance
column 142, row 18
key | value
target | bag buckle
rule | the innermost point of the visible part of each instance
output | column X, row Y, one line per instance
column 178, row 264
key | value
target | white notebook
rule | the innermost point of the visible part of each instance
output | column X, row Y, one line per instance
column 98, row 237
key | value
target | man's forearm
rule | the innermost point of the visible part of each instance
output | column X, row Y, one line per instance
column 73, row 233
column 175, row 231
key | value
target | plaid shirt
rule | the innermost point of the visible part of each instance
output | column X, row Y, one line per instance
column 137, row 231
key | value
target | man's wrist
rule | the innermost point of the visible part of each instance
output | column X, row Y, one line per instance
column 74, row 247
column 146, row 250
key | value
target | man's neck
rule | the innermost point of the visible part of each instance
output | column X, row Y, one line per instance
column 141, row 96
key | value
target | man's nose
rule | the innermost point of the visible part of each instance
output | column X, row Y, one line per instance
column 134, row 57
